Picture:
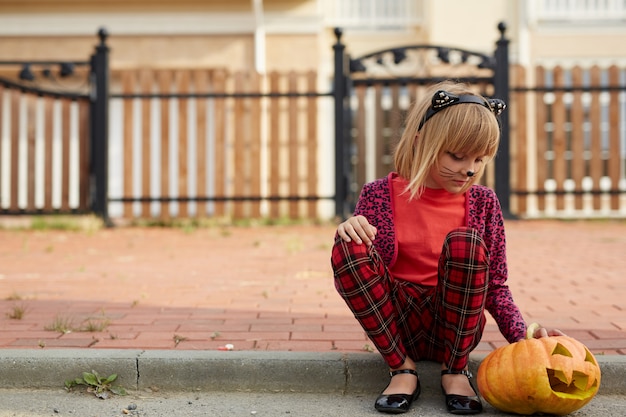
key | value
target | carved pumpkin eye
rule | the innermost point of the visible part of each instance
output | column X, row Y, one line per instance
column 559, row 349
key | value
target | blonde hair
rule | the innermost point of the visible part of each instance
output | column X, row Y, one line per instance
column 462, row 128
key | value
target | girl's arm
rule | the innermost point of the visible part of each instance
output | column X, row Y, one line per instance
column 499, row 301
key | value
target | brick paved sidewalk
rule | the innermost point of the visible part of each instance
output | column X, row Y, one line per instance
column 270, row 288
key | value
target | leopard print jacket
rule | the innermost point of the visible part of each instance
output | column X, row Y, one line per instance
column 483, row 213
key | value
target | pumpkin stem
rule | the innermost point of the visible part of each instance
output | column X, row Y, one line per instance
column 530, row 331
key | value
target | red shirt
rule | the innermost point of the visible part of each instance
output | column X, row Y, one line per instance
column 421, row 227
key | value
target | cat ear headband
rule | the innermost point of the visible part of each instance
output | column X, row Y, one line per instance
column 442, row 100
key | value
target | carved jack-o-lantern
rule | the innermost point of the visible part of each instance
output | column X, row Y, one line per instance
column 553, row 375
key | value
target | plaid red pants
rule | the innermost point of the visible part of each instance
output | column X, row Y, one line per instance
column 442, row 323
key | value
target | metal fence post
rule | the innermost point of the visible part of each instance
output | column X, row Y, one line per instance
column 342, row 169
column 503, row 159
column 100, row 128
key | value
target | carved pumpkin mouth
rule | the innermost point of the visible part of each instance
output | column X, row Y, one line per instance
column 577, row 388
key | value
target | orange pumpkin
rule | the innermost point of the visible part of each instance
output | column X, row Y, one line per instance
column 552, row 375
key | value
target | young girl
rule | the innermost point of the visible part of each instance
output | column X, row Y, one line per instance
column 424, row 254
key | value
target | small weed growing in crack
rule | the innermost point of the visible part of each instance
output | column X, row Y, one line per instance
column 17, row 312
column 99, row 386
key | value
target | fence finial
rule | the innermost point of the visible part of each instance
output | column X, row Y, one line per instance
column 338, row 34
column 502, row 29
column 103, row 34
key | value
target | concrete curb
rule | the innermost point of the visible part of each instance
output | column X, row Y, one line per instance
column 233, row 371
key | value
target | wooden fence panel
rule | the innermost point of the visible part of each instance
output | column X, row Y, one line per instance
column 559, row 146
column 518, row 125
column 84, row 114
column 542, row 143
column 614, row 150
column 201, row 83
column 293, row 144
column 48, row 168
column 128, row 84
column 596, row 168
column 44, row 152
column 14, row 137
column 311, row 141
column 220, row 84
column 182, row 87
column 145, row 87
column 381, row 167
column 578, row 138
column 274, row 146
column 164, row 81
column 360, row 138
column 31, row 117
column 2, row 95
column 254, row 145
column 246, row 146
column 65, row 154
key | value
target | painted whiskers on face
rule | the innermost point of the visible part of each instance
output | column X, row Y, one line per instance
column 448, row 173
column 455, row 172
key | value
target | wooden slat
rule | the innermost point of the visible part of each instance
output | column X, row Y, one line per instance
column 542, row 171
column 84, row 152
column 165, row 81
column 2, row 92
column 128, row 87
column 361, row 155
column 31, row 115
column 48, row 104
column 595, row 169
column 65, row 154
column 200, row 79
column 578, row 137
column 521, row 138
column 255, row 145
column 614, row 136
column 182, row 86
column 379, row 133
column 559, row 167
column 293, row 146
column 274, row 145
column 311, row 139
column 146, row 82
column 395, row 123
column 219, row 86
column 240, row 124
column 14, row 137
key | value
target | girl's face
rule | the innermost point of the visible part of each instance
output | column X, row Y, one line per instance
column 450, row 172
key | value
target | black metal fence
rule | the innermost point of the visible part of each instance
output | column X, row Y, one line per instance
column 350, row 75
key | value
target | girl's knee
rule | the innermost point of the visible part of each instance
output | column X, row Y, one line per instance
column 343, row 252
column 467, row 242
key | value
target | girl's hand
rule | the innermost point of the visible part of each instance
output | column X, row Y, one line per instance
column 536, row 331
column 357, row 228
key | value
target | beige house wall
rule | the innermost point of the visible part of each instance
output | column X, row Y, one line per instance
column 163, row 34
column 576, row 48
column 221, row 33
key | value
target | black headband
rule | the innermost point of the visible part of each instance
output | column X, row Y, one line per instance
column 442, row 100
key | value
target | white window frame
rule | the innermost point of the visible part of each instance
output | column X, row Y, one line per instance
column 374, row 14
column 593, row 12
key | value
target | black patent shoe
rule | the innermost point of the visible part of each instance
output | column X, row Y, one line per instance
column 462, row 404
column 398, row 403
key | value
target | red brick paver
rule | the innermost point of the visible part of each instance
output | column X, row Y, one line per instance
column 270, row 288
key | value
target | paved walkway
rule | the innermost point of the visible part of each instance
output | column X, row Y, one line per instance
column 270, row 288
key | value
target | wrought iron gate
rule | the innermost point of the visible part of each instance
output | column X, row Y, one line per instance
column 373, row 91
column 53, row 139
